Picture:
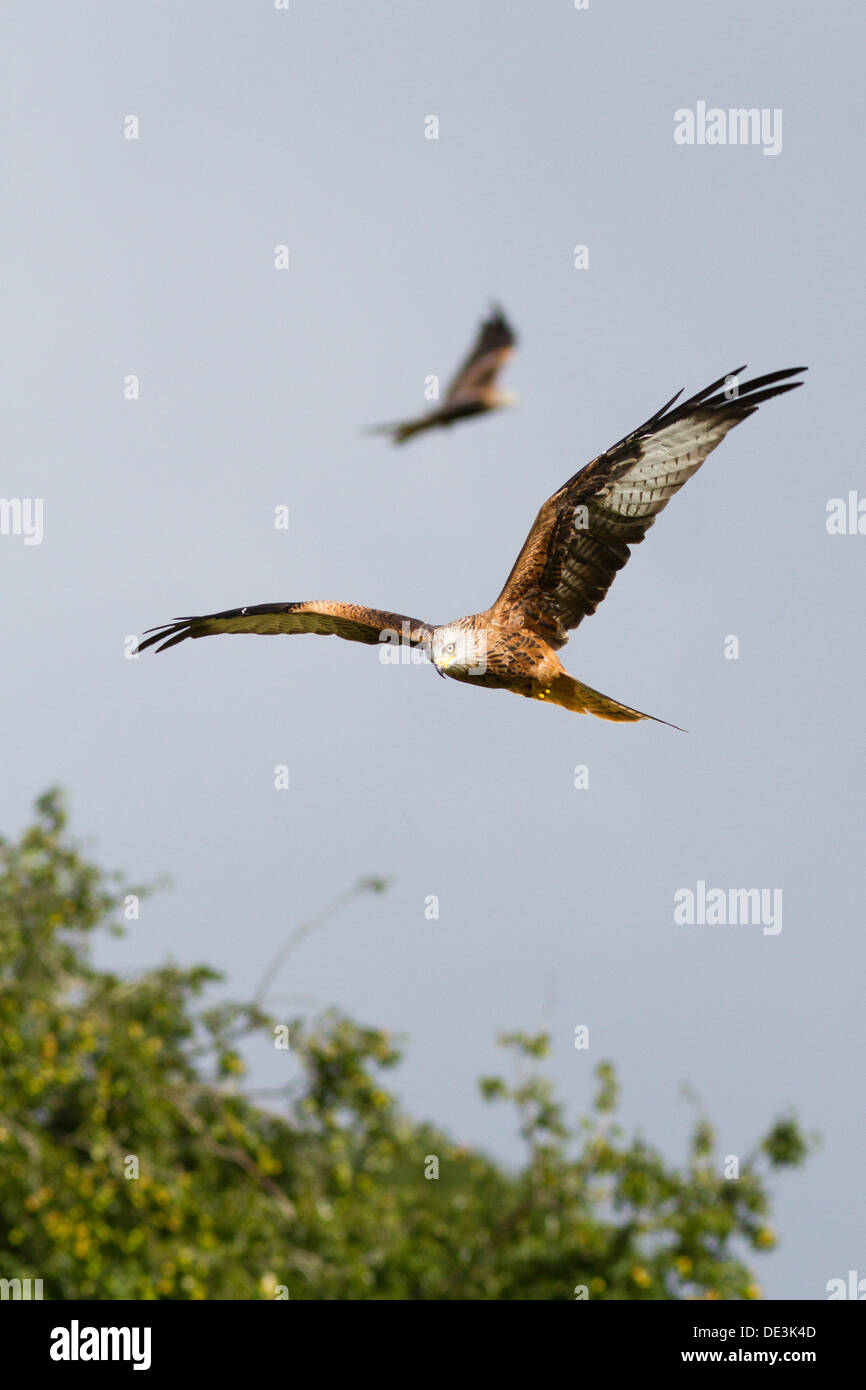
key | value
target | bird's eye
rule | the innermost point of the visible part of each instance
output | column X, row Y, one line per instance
column 450, row 647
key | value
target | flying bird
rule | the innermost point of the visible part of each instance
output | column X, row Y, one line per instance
column 581, row 537
column 473, row 390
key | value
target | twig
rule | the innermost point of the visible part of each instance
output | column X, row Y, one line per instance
column 365, row 885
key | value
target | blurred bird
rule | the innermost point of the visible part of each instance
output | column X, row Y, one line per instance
column 473, row 390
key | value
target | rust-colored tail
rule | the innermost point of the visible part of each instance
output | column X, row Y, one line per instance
column 573, row 695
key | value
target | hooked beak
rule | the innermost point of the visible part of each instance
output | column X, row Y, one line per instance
column 431, row 659
column 428, row 651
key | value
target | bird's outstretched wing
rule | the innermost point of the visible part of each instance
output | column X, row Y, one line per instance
column 491, row 350
column 583, row 533
column 349, row 620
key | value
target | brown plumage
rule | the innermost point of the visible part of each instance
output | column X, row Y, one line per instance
column 473, row 390
column 581, row 537
column 350, row 620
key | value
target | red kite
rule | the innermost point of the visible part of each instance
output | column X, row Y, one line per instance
column 581, row 537
column 473, row 390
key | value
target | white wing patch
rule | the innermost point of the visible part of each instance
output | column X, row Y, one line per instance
column 668, row 459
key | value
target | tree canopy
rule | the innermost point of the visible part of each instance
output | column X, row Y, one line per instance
column 136, row 1163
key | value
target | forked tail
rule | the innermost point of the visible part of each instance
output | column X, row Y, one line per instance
column 573, row 695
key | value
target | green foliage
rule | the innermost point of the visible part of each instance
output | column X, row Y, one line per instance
column 134, row 1164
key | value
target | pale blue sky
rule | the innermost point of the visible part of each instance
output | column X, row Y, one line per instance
column 556, row 905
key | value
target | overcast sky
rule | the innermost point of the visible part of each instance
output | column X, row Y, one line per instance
column 154, row 258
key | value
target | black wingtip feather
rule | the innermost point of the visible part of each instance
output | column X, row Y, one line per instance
column 166, row 631
column 755, row 399
column 173, row 641
column 748, row 394
column 702, row 396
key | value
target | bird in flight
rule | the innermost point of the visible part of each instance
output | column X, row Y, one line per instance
column 473, row 390
column 580, row 539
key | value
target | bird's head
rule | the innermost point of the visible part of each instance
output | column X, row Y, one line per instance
column 456, row 648
column 504, row 399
